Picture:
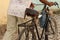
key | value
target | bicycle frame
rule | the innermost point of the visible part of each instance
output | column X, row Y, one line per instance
column 46, row 24
column 24, row 25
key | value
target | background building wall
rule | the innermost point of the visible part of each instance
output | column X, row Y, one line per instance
column 3, row 11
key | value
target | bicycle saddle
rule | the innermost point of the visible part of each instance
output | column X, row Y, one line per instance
column 31, row 12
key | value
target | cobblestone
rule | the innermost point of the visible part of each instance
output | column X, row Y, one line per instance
column 58, row 26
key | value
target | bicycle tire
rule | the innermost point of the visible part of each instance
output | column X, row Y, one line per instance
column 53, row 30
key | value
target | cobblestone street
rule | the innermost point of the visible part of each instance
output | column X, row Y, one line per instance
column 58, row 25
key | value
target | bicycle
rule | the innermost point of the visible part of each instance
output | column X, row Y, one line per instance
column 30, row 29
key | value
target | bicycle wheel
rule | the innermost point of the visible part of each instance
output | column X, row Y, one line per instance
column 52, row 29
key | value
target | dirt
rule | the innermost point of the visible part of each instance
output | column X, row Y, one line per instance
column 2, row 30
column 3, row 27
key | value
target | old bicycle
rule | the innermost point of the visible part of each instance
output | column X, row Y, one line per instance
column 49, row 30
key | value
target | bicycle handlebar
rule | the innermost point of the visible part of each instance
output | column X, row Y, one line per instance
column 56, row 4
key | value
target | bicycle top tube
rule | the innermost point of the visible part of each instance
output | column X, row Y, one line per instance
column 22, row 24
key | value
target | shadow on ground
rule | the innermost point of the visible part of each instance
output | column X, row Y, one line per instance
column 2, row 30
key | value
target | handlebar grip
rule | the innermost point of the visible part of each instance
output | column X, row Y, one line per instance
column 56, row 4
